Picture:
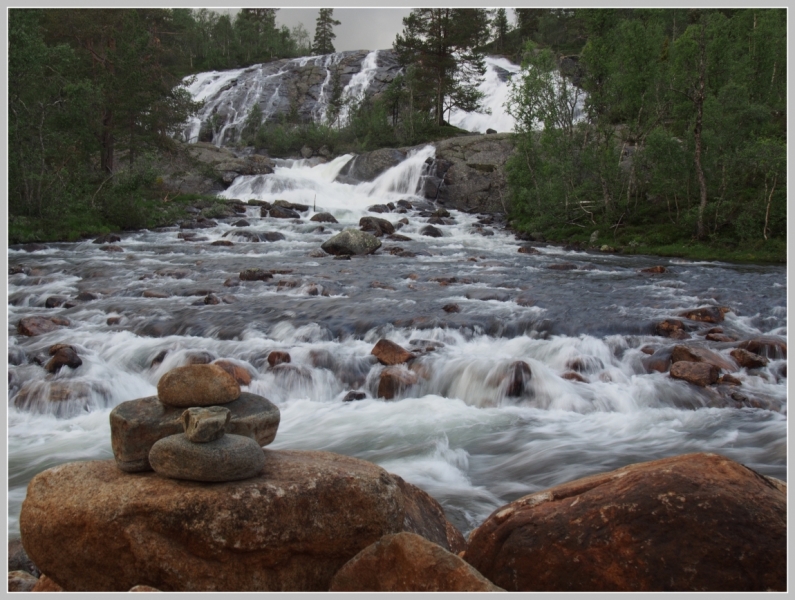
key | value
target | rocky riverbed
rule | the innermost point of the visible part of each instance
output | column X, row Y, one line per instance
column 527, row 366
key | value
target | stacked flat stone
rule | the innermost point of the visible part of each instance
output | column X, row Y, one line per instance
column 218, row 438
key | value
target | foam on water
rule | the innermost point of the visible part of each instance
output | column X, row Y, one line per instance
column 456, row 433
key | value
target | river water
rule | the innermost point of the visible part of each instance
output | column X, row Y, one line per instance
column 456, row 433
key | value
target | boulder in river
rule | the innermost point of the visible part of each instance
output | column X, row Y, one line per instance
column 518, row 379
column 376, row 226
column 681, row 352
column 389, row 353
column 33, row 326
column 749, row 360
column 707, row 314
column 239, row 372
column 324, row 217
column 767, row 346
column 350, row 242
column 370, row 165
column 697, row 373
column 394, row 380
column 431, row 231
column 290, row 528
column 197, row 385
column 280, row 212
column 671, row 328
column 407, row 562
column 255, row 274
column 278, row 357
column 696, row 522
column 63, row 355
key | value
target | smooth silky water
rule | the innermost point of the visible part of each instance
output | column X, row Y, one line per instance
column 455, row 433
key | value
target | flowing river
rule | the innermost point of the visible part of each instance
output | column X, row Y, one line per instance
column 457, row 433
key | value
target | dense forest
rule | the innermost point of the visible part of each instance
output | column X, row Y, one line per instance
column 663, row 130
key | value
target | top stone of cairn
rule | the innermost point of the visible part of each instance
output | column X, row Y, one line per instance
column 197, row 385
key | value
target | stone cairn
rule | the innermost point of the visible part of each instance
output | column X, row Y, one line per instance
column 199, row 427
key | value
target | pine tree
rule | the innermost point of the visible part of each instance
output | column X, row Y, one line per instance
column 441, row 43
column 500, row 28
column 324, row 35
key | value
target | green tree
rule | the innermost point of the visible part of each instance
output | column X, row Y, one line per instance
column 501, row 27
column 441, row 44
column 324, row 34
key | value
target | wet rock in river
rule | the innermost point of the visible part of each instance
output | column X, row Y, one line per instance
column 451, row 308
column 394, row 380
column 33, row 326
column 154, row 294
column 240, row 373
column 378, row 227
column 378, row 208
column 659, row 360
column 197, row 385
column 226, row 243
column 695, row 354
column 729, row 380
column 255, row 274
column 324, row 217
column 431, row 231
column 767, row 346
column 241, row 223
column 747, row 359
column 272, row 236
column 671, row 328
column 389, row 353
column 720, row 337
column 108, row 238
column 572, row 376
column 697, row 373
column 111, row 248
column 280, row 212
column 528, row 250
column 351, row 242
column 707, row 314
column 353, row 395
column 54, row 301
column 654, row 270
column 518, row 379
column 63, row 355
column 562, row 267
column 705, row 521
column 407, row 562
column 278, row 357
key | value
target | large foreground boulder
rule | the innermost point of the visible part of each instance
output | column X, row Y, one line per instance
column 407, row 562
column 691, row 522
column 351, row 241
column 90, row 526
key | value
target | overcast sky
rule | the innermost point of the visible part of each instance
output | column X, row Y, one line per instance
column 359, row 28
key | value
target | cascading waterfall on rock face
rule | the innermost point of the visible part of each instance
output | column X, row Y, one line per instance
column 355, row 91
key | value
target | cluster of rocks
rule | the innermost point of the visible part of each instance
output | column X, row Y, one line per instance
column 691, row 522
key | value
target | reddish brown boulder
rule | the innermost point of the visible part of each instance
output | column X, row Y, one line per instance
column 32, row 326
column 671, row 328
column 63, row 355
column 767, row 346
column 707, row 314
column 692, row 522
column 389, row 353
column 528, row 250
column 749, row 360
column 654, row 270
column 197, row 385
column 290, row 528
column 407, row 562
column 45, row 584
column 240, row 373
column 720, row 337
column 729, row 380
column 254, row 274
column 695, row 354
column 278, row 357
column 394, row 380
column 697, row 373
column 451, row 308
column 21, row 581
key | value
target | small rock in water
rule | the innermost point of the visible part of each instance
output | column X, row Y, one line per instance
column 519, row 375
column 63, row 355
column 204, row 425
column 241, row 374
column 394, row 380
column 351, row 241
column 528, row 250
column 749, row 360
column 113, row 320
column 54, row 301
column 671, row 328
column 572, row 376
column 241, row 223
column 562, row 267
column 225, row 243
column 729, row 380
column 708, row 314
column 719, row 337
column 228, row 458
column 211, row 299
column 154, row 294
column 197, row 385
column 33, row 326
column 278, row 357
column 768, row 346
column 352, row 395
column 390, row 353
column 108, row 238
column 255, row 274
column 431, row 231
column 654, row 270
column 324, row 217
column 451, row 308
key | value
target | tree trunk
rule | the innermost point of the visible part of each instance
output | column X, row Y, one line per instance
column 106, row 142
column 698, row 100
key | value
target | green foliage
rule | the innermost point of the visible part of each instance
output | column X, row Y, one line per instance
column 684, row 134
